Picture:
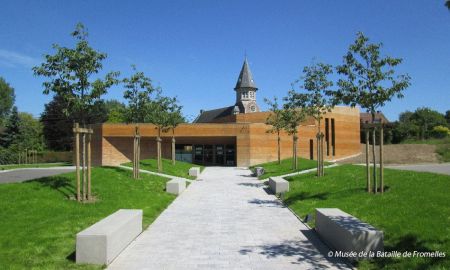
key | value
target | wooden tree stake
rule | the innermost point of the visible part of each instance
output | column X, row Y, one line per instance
column 381, row 160
column 367, row 162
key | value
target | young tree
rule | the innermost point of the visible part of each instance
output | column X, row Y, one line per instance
column 30, row 133
column 70, row 72
column 275, row 119
column 317, row 101
column 138, row 93
column 174, row 119
column 158, row 114
column 369, row 81
column 7, row 99
column 294, row 113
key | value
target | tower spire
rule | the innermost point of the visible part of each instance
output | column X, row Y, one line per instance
column 245, row 79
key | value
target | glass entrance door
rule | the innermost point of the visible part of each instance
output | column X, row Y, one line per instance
column 220, row 155
column 208, row 154
column 230, row 155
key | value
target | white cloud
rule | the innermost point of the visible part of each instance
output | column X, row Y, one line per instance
column 15, row 59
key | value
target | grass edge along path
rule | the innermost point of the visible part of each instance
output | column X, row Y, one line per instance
column 274, row 169
column 37, row 165
column 414, row 212
column 39, row 219
column 180, row 169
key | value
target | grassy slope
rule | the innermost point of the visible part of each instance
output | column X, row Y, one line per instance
column 38, row 222
column 442, row 147
column 414, row 213
column 275, row 169
column 180, row 169
column 38, row 165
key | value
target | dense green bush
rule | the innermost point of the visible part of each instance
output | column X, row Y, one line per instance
column 440, row 132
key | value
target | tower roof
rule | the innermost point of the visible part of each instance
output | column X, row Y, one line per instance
column 245, row 79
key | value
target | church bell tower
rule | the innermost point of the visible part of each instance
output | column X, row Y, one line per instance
column 246, row 91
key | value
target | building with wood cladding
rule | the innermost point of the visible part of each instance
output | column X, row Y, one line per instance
column 231, row 136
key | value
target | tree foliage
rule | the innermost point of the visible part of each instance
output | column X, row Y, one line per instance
column 318, row 94
column 7, row 98
column 426, row 119
column 276, row 121
column 12, row 129
column 70, row 72
column 116, row 111
column 138, row 92
column 369, row 79
column 57, row 126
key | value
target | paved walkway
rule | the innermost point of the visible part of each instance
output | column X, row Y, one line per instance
column 226, row 220
column 443, row 168
column 21, row 175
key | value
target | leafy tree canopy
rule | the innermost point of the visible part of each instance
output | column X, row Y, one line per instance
column 275, row 118
column 317, row 98
column 7, row 98
column 70, row 72
column 138, row 92
column 369, row 79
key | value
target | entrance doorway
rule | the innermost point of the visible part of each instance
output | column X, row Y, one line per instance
column 214, row 154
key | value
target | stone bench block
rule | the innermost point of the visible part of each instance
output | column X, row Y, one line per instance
column 102, row 242
column 259, row 171
column 194, row 171
column 346, row 233
column 175, row 186
column 278, row 185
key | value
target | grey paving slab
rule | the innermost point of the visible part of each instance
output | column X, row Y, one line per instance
column 226, row 220
column 442, row 168
column 21, row 175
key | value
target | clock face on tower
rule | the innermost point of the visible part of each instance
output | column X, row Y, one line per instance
column 253, row 108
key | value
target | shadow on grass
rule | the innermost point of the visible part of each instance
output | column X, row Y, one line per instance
column 306, row 196
column 59, row 183
column 72, row 256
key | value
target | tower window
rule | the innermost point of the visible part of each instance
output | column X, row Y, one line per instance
column 244, row 94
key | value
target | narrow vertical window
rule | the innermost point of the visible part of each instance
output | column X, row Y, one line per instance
column 333, row 136
column 327, row 135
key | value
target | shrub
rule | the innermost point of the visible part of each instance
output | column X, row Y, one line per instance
column 440, row 132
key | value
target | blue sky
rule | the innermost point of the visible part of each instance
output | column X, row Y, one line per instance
column 195, row 49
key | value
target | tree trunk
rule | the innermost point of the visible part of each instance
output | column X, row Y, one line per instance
column 374, row 161
column 173, row 150
column 77, row 160
column 89, row 166
column 318, row 153
column 279, row 147
column 322, row 172
column 84, row 166
column 295, row 138
column 381, row 160
column 158, row 150
column 369, row 190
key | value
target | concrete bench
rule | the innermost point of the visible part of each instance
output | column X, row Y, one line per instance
column 278, row 185
column 102, row 242
column 194, row 171
column 259, row 171
column 346, row 233
column 175, row 186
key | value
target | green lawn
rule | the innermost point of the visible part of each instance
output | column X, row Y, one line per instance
column 180, row 169
column 38, row 222
column 38, row 165
column 414, row 212
column 275, row 169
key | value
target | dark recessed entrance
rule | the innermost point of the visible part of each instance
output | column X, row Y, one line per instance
column 207, row 154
